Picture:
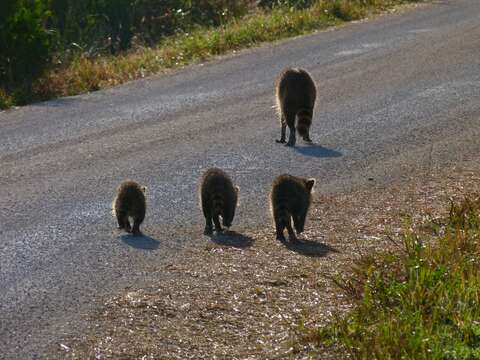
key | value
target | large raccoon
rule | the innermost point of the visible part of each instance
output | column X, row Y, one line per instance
column 218, row 197
column 296, row 94
column 130, row 203
column 290, row 200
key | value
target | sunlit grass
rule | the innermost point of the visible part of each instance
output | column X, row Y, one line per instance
column 83, row 74
column 419, row 304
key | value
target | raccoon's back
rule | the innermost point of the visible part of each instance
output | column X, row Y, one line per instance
column 216, row 183
column 296, row 88
column 130, row 198
column 289, row 192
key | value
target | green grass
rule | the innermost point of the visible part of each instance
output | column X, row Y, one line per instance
column 84, row 74
column 421, row 304
column 6, row 100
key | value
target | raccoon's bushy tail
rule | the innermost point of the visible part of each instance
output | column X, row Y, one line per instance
column 218, row 203
column 304, row 120
column 282, row 213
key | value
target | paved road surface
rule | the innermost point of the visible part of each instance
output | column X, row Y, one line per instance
column 398, row 95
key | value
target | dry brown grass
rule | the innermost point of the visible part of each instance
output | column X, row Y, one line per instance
column 248, row 296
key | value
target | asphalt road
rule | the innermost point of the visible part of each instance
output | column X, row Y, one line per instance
column 398, row 96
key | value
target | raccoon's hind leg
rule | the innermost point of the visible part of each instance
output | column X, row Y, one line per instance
column 121, row 218
column 208, row 217
column 137, row 220
column 280, row 216
column 279, row 226
column 136, row 226
column 291, row 234
column 216, row 220
column 283, row 131
column 291, row 139
column 126, row 223
column 304, row 121
column 306, row 137
column 298, row 223
column 291, row 126
column 123, row 222
column 208, row 226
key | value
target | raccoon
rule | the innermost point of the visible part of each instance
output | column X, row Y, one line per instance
column 296, row 94
column 290, row 200
column 218, row 197
column 130, row 202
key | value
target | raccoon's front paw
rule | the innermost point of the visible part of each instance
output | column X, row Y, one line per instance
column 307, row 139
column 281, row 141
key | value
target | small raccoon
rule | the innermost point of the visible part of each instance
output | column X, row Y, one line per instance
column 218, row 197
column 290, row 200
column 130, row 203
column 296, row 94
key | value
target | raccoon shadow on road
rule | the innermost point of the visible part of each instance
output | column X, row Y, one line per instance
column 316, row 150
column 233, row 239
column 309, row 248
column 141, row 242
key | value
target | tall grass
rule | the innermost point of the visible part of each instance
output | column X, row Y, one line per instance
column 421, row 304
column 84, row 74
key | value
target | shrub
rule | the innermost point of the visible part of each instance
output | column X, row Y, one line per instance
column 25, row 44
column 5, row 100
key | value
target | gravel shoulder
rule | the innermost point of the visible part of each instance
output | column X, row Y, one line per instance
column 247, row 295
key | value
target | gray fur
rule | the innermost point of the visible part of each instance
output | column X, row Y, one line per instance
column 130, row 202
column 290, row 201
column 218, row 197
column 296, row 94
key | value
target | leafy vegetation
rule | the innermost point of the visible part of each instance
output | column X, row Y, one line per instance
column 51, row 48
column 420, row 304
column 25, row 45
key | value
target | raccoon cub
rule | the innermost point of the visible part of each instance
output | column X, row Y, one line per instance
column 219, row 198
column 295, row 93
column 130, row 203
column 290, row 200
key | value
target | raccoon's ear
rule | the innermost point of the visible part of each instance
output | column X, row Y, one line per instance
column 144, row 189
column 237, row 189
column 309, row 184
